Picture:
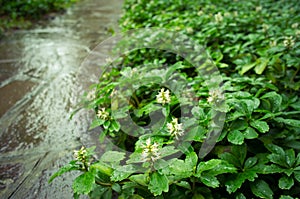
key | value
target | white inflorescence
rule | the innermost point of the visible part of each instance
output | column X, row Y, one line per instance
column 150, row 152
column 289, row 42
column 163, row 97
column 218, row 17
column 215, row 95
column 102, row 114
column 80, row 155
column 175, row 128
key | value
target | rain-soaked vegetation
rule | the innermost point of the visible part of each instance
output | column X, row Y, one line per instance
column 20, row 13
column 206, row 105
column 247, row 110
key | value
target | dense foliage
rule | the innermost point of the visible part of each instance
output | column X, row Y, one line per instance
column 255, row 45
column 18, row 13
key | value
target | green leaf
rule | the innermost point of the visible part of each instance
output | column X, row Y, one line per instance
column 298, row 160
column 112, row 157
column 278, row 159
column 158, row 184
column 290, row 157
column 167, row 151
column 270, row 169
column 76, row 195
column 240, row 196
column 250, row 133
column 95, row 123
column 291, row 122
column 275, row 100
column 102, row 167
column 198, row 196
column 250, row 162
column 230, row 158
column 180, row 168
column 261, row 189
column 239, row 124
column 198, row 112
column 275, row 149
column 297, row 175
column 245, row 106
column 116, row 187
column 122, row 172
column 285, row 197
column 120, row 113
column 106, row 124
column 83, row 184
column 115, row 125
column 209, row 180
column 247, row 67
column 240, row 152
column 208, row 165
column 184, row 184
column 261, row 126
column 236, row 180
column 261, row 64
column 223, row 167
column 141, row 179
column 162, row 165
column 235, row 137
column 197, row 133
column 191, row 159
column 286, row 182
column 173, row 68
column 107, row 193
column 69, row 167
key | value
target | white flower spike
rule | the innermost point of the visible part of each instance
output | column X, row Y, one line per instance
column 102, row 114
column 163, row 97
column 150, row 152
column 175, row 128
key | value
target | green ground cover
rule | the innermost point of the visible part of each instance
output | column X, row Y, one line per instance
column 255, row 47
column 21, row 13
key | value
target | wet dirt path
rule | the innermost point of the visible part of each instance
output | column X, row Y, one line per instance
column 41, row 82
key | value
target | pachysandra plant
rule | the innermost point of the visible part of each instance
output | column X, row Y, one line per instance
column 255, row 46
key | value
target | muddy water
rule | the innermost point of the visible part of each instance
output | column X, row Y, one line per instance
column 41, row 83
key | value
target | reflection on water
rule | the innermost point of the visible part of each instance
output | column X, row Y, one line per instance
column 40, row 85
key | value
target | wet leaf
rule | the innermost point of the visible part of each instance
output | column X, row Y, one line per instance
column 208, row 165
column 275, row 100
column 184, row 184
column 261, row 189
column 247, row 67
column 69, row 167
column 290, row 157
column 261, row 65
column 291, row 122
column 97, row 122
column 285, row 197
column 250, row 162
column 115, row 125
column 250, row 133
column 209, row 180
column 261, row 126
column 240, row 196
column 158, row 184
column 235, row 137
column 286, row 182
column 83, row 184
column 141, row 179
column 236, row 180
column 112, row 156
column 122, row 172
